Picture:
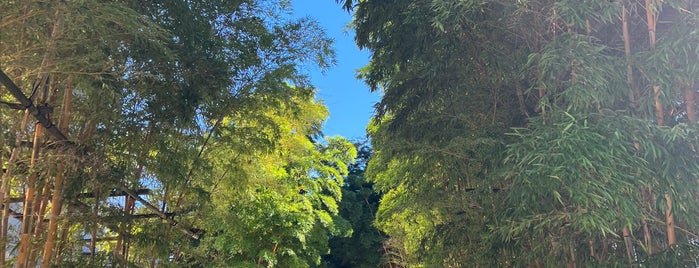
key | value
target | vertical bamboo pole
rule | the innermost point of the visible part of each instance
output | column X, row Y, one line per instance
column 659, row 111
column 670, row 222
column 57, row 200
column 23, row 259
column 657, row 92
column 605, row 251
column 62, row 242
column 651, row 17
column 629, row 244
column 7, row 176
column 690, row 101
column 5, row 187
column 40, row 203
column 689, row 91
column 630, row 82
column 93, row 229
column 627, row 53
column 25, row 233
column 571, row 251
column 647, row 240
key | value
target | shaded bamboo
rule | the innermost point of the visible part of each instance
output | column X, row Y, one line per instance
column 630, row 83
column 651, row 16
column 626, row 233
column 627, row 54
column 690, row 101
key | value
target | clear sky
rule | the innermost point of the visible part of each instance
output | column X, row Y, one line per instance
column 348, row 99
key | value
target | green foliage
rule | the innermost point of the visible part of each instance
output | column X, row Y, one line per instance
column 202, row 102
column 519, row 133
column 361, row 247
column 278, row 218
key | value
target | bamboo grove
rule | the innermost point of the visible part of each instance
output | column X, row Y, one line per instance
column 534, row 133
column 164, row 133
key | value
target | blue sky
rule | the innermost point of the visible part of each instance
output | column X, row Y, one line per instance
column 348, row 99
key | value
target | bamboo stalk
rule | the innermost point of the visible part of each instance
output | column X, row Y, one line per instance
column 40, row 203
column 5, row 187
column 659, row 111
column 647, row 237
column 627, row 53
column 689, row 97
column 40, row 206
column 605, row 251
column 572, row 263
column 25, row 233
column 62, row 242
column 93, row 229
column 23, row 259
column 670, row 222
column 57, row 200
column 628, row 243
column 652, row 23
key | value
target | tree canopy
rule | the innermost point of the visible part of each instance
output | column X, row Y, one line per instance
column 530, row 133
column 176, row 133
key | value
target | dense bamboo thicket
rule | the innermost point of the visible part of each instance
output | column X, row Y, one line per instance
column 537, row 133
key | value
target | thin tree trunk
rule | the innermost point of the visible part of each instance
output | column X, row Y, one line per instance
column 93, row 231
column 689, row 99
column 571, row 262
column 130, row 205
column 650, row 19
column 657, row 92
column 659, row 111
column 670, row 222
column 605, row 251
column 506, row 257
column 5, row 187
column 651, row 22
column 57, row 201
column 40, row 206
column 62, row 242
column 153, row 259
column 632, row 95
column 25, row 233
column 647, row 238
column 41, row 198
column 669, row 218
column 628, row 243
column 23, row 259
column 627, row 53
